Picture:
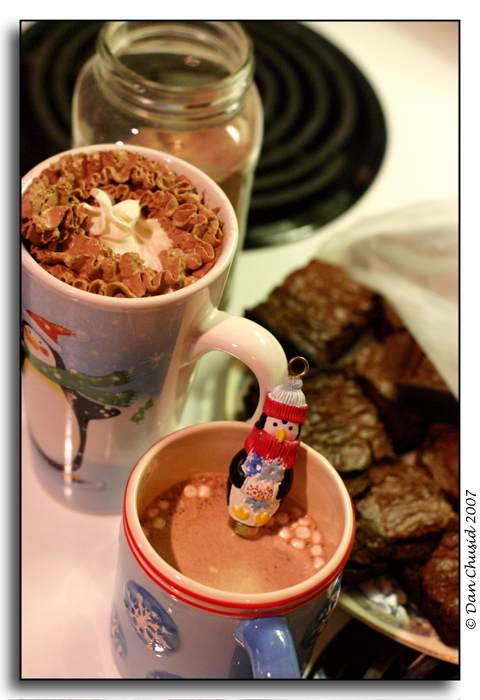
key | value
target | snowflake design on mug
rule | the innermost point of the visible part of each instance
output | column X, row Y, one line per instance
column 320, row 620
column 152, row 624
column 116, row 634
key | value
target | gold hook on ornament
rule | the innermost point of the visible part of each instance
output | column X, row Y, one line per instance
column 305, row 364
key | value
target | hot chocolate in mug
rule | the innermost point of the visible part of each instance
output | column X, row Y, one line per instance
column 105, row 377
column 167, row 625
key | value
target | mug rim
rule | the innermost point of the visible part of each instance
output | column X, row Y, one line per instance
column 217, row 600
column 179, row 166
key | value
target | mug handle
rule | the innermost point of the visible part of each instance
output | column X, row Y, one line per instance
column 270, row 648
column 248, row 342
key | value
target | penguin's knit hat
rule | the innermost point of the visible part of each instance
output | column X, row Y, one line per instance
column 287, row 401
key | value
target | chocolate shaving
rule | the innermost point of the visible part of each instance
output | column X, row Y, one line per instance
column 55, row 225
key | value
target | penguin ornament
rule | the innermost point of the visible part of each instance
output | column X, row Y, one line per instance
column 261, row 474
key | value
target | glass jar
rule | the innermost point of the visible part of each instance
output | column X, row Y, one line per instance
column 183, row 87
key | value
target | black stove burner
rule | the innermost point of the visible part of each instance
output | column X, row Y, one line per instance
column 324, row 137
column 324, row 133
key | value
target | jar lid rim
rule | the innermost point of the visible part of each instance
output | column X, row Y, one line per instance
column 240, row 78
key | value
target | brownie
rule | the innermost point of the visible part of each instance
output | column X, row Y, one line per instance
column 439, row 455
column 434, row 586
column 319, row 312
column 406, row 387
column 389, row 320
column 426, row 389
column 342, row 423
column 403, row 502
column 401, row 516
column 380, row 367
column 383, row 364
column 357, row 484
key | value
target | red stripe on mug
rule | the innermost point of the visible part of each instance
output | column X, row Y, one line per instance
column 226, row 607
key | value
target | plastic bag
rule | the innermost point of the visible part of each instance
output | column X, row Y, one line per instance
column 410, row 256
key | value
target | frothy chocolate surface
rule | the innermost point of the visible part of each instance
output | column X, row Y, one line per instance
column 188, row 525
column 57, row 226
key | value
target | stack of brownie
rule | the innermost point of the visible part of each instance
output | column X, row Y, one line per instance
column 385, row 419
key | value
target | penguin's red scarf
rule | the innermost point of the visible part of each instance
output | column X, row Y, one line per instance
column 269, row 448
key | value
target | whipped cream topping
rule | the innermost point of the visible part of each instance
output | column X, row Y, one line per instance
column 123, row 228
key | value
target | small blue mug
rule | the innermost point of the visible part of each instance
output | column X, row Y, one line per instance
column 165, row 625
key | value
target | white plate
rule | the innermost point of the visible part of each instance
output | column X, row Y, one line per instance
column 380, row 603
